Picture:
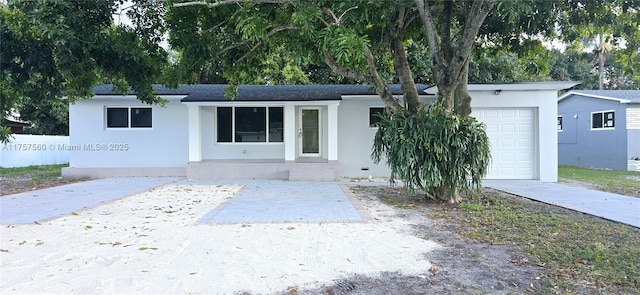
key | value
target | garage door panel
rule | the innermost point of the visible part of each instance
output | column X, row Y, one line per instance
column 525, row 128
column 506, row 114
column 488, row 114
column 508, row 128
column 511, row 132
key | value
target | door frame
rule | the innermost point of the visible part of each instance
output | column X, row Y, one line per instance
column 300, row 134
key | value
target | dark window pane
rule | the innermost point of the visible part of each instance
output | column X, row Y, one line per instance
column 559, row 123
column 596, row 120
column 141, row 118
column 276, row 119
column 374, row 116
column 224, row 124
column 251, row 124
column 117, row 118
column 609, row 119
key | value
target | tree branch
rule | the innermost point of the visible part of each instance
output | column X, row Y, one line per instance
column 401, row 64
column 342, row 71
column 227, row 2
column 429, row 26
column 382, row 89
column 445, row 29
column 266, row 36
column 336, row 20
column 476, row 16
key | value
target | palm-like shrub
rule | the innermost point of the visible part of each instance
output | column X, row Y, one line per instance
column 438, row 152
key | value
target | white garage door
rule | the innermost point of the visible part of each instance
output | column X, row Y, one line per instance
column 512, row 134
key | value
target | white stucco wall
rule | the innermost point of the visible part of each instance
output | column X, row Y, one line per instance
column 95, row 146
column 26, row 150
column 356, row 138
column 167, row 143
column 544, row 101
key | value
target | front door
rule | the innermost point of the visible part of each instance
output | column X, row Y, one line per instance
column 309, row 132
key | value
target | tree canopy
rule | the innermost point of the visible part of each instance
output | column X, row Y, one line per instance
column 56, row 47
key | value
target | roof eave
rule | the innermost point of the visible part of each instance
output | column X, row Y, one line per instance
column 570, row 93
column 522, row 86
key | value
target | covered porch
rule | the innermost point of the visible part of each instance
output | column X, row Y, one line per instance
column 266, row 139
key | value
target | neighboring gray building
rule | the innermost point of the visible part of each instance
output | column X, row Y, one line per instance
column 599, row 129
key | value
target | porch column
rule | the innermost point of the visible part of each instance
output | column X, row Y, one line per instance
column 290, row 134
column 332, row 125
column 195, row 137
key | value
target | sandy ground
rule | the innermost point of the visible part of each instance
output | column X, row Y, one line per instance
column 152, row 243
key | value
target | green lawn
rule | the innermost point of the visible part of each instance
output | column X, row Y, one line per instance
column 43, row 172
column 20, row 179
column 615, row 181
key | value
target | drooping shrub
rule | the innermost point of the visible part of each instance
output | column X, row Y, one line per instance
column 435, row 151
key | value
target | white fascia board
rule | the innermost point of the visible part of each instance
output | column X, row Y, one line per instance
column 344, row 97
column 232, row 103
column 525, row 86
column 570, row 93
column 117, row 96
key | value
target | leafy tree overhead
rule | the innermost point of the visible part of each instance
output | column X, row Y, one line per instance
column 361, row 40
column 55, row 47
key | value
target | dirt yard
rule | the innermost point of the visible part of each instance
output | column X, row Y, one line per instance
column 462, row 266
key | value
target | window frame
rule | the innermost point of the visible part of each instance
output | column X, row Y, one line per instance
column 602, row 117
column 233, row 125
column 129, row 118
column 369, row 115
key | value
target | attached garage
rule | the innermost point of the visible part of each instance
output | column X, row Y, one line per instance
column 512, row 134
column 521, row 125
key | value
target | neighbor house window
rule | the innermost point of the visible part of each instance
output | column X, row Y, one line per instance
column 250, row 124
column 129, row 117
column 374, row 116
column 559, row 123
column 603, row 120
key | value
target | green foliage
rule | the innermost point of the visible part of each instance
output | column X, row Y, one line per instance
column 57, row 47
column 581, row 254
column 615, row 181
column 434, row 151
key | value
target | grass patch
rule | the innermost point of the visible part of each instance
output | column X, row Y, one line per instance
column 22, row 179
column 37, row 173
column 579, row 253
column 615, row 181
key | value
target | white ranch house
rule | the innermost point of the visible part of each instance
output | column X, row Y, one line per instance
column 303, row 132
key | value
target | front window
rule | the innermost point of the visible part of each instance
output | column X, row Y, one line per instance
column 603, row 120
column 375, row 116
column 250, row 124
column 129, row 117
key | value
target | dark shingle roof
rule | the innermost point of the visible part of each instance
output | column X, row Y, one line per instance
column 630, row 95
column 215, row 92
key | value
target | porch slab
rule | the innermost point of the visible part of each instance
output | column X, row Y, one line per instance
column 263, row 169
column 277, row 201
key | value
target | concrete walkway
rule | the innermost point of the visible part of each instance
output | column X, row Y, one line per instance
column 56, row 201
column 276, row 201
column 609, row 206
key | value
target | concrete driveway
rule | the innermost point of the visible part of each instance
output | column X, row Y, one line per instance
column 290, row 201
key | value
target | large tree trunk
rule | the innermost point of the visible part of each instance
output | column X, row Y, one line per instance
column 462, row 100
column 449, row 62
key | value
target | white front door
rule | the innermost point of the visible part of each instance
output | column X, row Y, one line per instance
column 309, row 133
